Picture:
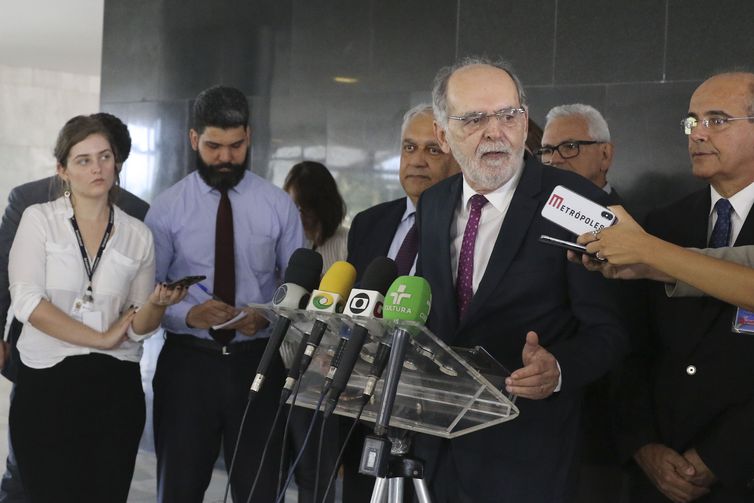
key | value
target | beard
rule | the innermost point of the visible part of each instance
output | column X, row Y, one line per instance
column 488, row 175
column 221, row 180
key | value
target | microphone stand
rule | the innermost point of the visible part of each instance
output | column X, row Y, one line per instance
column 384, row 453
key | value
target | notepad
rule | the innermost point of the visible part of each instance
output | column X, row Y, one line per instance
column 234, row 319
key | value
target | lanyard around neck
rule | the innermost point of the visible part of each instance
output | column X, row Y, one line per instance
column 92, row 267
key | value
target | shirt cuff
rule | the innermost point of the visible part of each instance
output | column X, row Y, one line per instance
column 140, row 337
column 560, row 378
column 175, row 318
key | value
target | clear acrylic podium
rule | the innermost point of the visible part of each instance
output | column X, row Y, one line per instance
column 445, row 392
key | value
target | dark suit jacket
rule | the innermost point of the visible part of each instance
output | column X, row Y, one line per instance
column 20, row 198
column 526, row 286
column 372, row 232
column 709, row 407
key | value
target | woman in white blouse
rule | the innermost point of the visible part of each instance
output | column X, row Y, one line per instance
column 82, row 283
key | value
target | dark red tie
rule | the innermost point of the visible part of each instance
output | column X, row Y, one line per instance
column 404, row 259
column 225, row 263
column 465, row 278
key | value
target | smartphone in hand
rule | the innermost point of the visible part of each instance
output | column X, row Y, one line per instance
column 575, row 212
column 186, row 282
column 568, row 245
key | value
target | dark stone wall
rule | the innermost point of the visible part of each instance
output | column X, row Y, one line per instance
column 637, row 61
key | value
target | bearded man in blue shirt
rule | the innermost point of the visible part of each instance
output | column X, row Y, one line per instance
column 239, row 230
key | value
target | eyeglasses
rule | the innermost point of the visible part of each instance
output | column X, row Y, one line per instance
column 474, row 121
column 712, row 123
column 567, row 150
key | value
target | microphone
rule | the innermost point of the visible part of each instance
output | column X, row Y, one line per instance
column 409, row 299
column 363, row 304
column 329, row 298
column 375, row 371
column 301, row 275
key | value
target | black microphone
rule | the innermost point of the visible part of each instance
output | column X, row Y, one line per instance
column 329, row 298
column 375, row 371
column 409, row 299
column 301, row 276
column 364, row 304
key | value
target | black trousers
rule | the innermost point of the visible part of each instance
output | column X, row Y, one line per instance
column 199, row 400
column 76, row 427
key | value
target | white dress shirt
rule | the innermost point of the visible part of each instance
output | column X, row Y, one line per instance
column 490, row 222
column 45, row 263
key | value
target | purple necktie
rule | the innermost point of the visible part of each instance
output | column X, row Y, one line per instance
column 720, row 236
column 225, row 263
column 404, row 260
column 465, row 278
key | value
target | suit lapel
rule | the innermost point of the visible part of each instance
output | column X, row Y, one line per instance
column 699, row 213
column 711, row 309
column 444, row 292
column 515, row 226
column 385, row 227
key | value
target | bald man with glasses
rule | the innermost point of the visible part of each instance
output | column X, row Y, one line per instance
column 687, row 405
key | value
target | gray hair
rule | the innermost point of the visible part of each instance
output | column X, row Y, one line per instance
column 413, row 112
column 440, row 87
column 596, row 124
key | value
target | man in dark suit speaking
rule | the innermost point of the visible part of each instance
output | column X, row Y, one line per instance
column 495, row 285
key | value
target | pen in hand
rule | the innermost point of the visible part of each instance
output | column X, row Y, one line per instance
column 206, row 290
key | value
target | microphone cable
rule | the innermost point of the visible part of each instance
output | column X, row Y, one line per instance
column 375, row 374
column 264, row 453
column 319, row 457
column 334, row 472
column 294, row 397
column 281, row 466
column 235, row 449
column 292, row 468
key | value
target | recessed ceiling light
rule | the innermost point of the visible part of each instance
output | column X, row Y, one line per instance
column 345, row 80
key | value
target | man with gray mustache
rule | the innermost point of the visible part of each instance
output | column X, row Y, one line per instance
column 495, row 285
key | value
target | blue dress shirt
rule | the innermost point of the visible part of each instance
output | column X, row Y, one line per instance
column 267, row 230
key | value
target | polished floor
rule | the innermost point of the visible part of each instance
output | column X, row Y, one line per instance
column 143, row 485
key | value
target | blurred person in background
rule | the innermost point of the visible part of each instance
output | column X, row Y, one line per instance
column 315, row 193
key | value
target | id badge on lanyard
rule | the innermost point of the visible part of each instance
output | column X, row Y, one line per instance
column 83, row 306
